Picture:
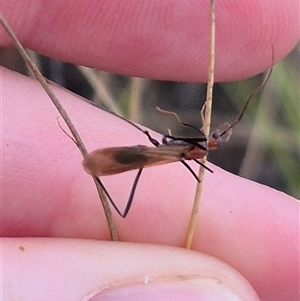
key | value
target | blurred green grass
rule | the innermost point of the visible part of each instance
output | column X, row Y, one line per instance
column 264, row 146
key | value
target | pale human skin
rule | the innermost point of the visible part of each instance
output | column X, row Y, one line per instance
column 46, row 193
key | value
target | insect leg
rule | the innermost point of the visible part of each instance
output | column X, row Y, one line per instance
column 152, row 140
column 192, row 127
column 178, row 119
column 191, row 171
column 132, row 192
column 109, row 197
column 130, row 199
column 204, row 166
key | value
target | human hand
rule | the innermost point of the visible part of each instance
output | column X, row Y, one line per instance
column 46, row 193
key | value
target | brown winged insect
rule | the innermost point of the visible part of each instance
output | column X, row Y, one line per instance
column 114, row 160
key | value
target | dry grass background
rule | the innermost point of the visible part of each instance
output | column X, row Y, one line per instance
column 264, row 146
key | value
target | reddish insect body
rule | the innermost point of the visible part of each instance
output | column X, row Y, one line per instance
column 114, row 160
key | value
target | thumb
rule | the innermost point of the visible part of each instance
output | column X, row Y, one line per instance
column 74, row 269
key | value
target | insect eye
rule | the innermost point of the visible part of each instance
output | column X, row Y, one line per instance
column 215, row 135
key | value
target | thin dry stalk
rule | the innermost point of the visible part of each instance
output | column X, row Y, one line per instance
column 64, row 115
column 206, row 127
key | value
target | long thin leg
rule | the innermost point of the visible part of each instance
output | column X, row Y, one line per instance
column 136, row 180
column 204, row 166
column 152, row 140
column 109, row 197
column 132, row 192
column 190, row 170
column 130, row 199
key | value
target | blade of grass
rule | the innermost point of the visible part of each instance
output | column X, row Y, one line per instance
column 206, row 127
column 136, row 90
column 64, row 115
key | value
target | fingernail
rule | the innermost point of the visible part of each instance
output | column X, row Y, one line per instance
column 195, row 289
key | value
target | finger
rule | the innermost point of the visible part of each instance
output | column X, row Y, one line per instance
column 158, row 39
column 47, row 193
column 109, row 271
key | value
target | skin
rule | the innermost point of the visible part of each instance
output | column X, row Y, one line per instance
column 250, row 229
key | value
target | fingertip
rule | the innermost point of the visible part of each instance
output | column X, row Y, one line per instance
column 159, row 39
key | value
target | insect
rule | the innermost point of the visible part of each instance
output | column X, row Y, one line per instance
column 114, row 160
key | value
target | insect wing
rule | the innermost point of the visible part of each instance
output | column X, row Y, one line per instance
column 114, row 160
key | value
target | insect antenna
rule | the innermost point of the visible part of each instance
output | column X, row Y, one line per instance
column 256, row 91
